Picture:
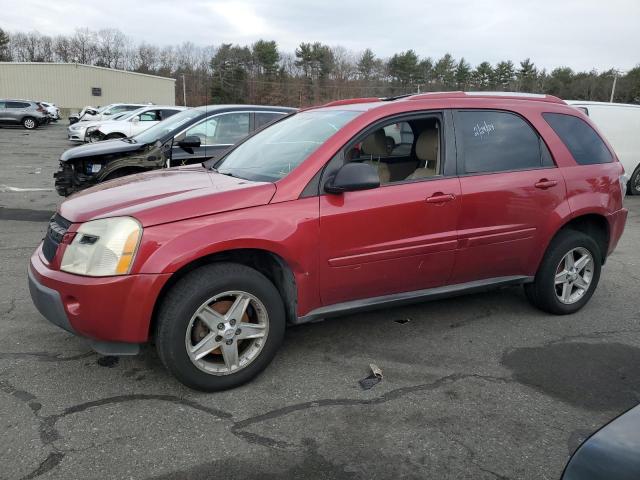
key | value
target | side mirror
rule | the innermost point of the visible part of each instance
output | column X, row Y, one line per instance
column 189, row 142
column 135, row 119
column 351, row 177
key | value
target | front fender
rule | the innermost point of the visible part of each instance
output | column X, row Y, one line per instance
column 289, row 230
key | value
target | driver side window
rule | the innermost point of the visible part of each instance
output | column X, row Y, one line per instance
column 401, row 151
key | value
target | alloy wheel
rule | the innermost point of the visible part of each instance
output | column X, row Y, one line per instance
column 573, row 275
column 227, row 333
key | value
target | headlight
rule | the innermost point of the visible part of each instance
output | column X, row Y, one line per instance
column 103, row 248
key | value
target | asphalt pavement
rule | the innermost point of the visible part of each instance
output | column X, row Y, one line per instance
column 477, row 387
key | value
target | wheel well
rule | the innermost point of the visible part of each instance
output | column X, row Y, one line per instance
column 596, row 226
column 269, row 264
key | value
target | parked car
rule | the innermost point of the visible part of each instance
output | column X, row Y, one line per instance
column 75, row 117
column 311, row 217
column 89, row 114
column 52, row 109
column 612, row 453
column 77, row 132
column 131, row 124
column 27, row 113
column 191, row 136
column 620, row 123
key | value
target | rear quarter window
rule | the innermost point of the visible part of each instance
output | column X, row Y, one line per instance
column 581, row 140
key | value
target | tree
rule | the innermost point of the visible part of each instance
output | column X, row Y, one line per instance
column 229, row 66
column 560, row 81
column 5, row 54
column 527, row 76
column 403, row 67
column 445, row 72
column 316, row 60
column 463, row 74
column 504, row 75
column 265, row 56
column 367, row 64
column 482, row 76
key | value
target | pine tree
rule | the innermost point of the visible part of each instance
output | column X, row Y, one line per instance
column 5, row 55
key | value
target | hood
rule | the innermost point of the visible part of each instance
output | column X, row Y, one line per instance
column 166, row 195
column 100, row 148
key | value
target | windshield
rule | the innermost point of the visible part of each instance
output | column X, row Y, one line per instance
column 275, row 151
column 167, row 126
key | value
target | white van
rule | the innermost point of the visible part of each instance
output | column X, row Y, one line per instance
column 620, row 123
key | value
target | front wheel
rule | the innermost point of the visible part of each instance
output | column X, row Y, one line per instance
column 220, row 326
column 568, row 274
column 114, row 136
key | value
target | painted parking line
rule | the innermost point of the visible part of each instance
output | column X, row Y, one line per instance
column 8, row 188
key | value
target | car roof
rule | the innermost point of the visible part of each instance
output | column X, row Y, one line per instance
column 364, row 104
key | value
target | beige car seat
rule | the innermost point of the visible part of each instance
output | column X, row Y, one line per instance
column 375, row 146
column 428, row 153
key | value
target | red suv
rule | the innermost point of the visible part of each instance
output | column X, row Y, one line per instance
column 345, row 207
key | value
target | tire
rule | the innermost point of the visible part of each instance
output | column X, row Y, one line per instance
column 544, row 293
column 114, row 136
column 634, row 182
column 29, row 123
column 177, row 323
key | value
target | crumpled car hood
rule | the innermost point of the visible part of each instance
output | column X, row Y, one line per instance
column 166, row 195
column 100, row 148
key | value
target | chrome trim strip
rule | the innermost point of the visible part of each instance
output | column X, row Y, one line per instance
column 404, row 298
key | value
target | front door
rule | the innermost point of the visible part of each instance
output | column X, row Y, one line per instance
column 401, row 236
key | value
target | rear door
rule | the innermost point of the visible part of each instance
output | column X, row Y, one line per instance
column 216, row 132
column 401, row 236
column 510, row 186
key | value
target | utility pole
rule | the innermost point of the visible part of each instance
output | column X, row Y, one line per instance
column 184, row 91
column 613, row 88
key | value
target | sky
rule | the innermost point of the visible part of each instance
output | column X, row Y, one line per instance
column 583, row 34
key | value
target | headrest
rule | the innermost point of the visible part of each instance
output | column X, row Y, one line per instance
column 427, row 145
column 375, row 144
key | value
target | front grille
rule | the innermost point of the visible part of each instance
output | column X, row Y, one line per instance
column 58, row 226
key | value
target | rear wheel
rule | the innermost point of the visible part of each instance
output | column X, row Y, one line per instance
column 634, row 182
column 29, row 123
column 568, row 274
column 220, row 326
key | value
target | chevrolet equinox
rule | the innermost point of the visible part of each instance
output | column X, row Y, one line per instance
column 346, row 207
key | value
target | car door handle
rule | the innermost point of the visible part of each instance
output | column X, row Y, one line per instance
column 441, row 197
column 544, row 183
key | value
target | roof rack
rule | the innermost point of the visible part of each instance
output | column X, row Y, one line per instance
column 349, row 101
column 510, row 95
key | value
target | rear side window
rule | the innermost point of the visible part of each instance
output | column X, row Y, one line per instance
column 17, row 105
column 583, row 142
column 490, row 141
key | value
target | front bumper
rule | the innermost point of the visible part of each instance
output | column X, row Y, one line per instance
column 113, row 313
column 76, row 135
